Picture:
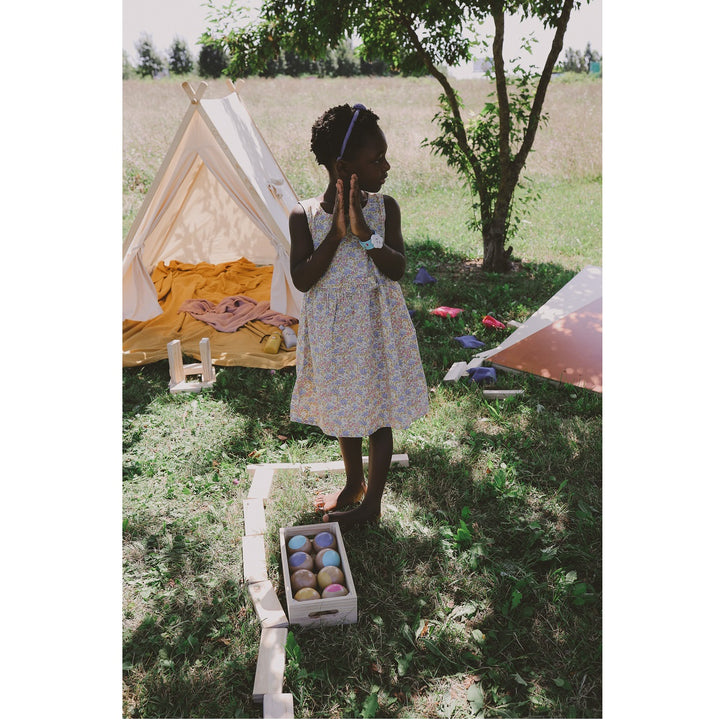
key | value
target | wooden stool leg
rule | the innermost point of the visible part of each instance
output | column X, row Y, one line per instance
column 177, row 373
column 206, row 359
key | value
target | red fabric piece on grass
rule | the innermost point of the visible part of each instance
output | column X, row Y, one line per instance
column 444, row 311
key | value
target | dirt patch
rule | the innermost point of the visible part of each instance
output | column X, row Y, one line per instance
column 470, row 269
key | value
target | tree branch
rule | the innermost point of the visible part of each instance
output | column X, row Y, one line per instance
column 498, row 15
column 541, row 90
column 460, row 135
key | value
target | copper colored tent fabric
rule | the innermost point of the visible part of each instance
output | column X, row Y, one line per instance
column 561, row 340
column 146, row 341
column 569, row 350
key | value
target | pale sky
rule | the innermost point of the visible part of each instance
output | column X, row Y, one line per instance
column 164, row 19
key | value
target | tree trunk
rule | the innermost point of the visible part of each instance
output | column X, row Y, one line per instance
column 496, row 258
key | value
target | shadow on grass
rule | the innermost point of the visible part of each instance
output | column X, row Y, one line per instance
column 141, row 385
column 461, row 283
column 524, row 534
column 194, row 652
column 488, row 574
column 485, row 573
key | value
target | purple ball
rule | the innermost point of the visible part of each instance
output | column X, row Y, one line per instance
column 324, row 540
column 300, row 561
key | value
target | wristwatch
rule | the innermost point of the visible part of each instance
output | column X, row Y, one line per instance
column 374, row 243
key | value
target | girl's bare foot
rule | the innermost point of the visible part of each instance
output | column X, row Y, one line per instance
column 339, row 499
column 351, row 518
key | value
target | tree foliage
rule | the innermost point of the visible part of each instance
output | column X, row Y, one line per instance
column 180, row 60
column 419, row 37
column 482, row 131
column 338, row 62
column 212, row 61
column 127, row 67
column 579, row 62
column 150, row 63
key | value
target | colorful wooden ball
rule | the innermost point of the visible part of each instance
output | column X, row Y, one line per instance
column 300, row 561
column 299, row 543
column 306, row 593
column 301, row 579
column 324, row 540
column 334, row 590
column 329, row 575
column 325, row 557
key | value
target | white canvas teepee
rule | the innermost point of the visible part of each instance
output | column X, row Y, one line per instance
column 218, row 196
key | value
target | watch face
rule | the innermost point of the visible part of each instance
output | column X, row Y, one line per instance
column 377, row 241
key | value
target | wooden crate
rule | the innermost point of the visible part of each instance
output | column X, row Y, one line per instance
column 326, row 611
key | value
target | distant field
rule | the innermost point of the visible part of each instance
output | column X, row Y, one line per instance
column 566, row 163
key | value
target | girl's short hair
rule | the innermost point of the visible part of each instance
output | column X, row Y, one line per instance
column 329, row 130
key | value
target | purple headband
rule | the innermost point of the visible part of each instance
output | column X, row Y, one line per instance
column 357, row 108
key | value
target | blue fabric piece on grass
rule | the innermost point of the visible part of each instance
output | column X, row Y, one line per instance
column 482, row 374
column 423, row 277
column 470, row 341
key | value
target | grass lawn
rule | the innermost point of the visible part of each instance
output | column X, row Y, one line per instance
column 480, row 591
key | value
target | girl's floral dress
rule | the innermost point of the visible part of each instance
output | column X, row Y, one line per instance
column 358, row 364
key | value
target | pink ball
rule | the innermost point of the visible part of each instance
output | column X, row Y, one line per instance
column 334, row 590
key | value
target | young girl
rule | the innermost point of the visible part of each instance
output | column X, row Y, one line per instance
column 359, row 372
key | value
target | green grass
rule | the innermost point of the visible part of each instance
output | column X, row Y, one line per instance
column 481, row 588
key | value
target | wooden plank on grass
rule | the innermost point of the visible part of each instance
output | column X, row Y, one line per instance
column 501, row 394
column 400, row 459
column 254, row 516
column 320, row 467
column 261, row 483
column 267, row 606
column 270, row 667
column 254, row 566
column 278, row 706
column 456, row 371
column 256, row 471
column 339, row 465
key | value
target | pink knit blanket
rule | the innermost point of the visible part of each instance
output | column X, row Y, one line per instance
column 233, row 312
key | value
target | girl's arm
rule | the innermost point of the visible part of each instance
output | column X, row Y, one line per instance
column 308, row 265
column 390, row 258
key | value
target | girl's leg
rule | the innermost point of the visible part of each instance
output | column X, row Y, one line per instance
column 380, row 457
column 354, row 490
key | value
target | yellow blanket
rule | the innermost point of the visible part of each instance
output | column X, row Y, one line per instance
column 146, row 342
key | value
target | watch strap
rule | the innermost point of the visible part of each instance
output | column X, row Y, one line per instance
column 375, row 241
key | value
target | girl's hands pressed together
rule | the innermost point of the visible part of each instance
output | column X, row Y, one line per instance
column 358, row 226
column 339, row 221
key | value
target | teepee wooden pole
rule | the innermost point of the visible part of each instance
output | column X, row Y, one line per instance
column 195, row 95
